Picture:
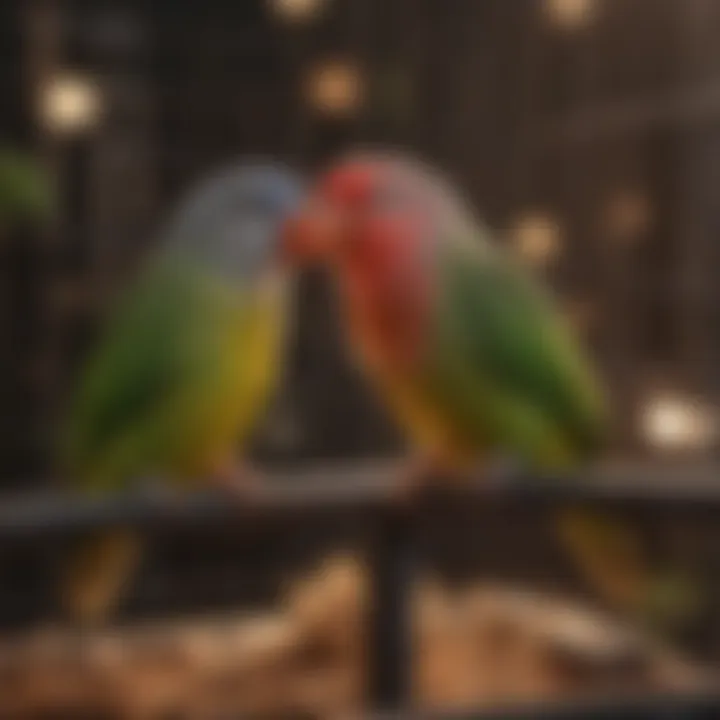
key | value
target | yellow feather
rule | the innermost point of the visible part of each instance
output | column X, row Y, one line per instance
column 223, row 412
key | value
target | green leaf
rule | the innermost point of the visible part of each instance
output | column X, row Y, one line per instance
column 25, row 192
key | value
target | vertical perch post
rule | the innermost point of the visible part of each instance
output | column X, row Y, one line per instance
column 390, row 657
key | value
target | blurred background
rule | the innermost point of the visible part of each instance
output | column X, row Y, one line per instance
column 585, row 132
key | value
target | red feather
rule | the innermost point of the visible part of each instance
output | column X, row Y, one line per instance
column 386, row 278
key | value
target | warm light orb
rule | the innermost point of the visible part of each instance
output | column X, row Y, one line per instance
column 70, row 103
column 678, row 423
column 296, row 10
column 627, row 215
column 536, row 238
column 570, row 14
column 581, row 315
column 335, row 88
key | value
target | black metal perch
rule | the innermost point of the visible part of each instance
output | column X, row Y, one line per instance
column 369, row 484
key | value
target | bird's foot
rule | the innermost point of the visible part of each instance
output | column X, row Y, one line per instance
column 241, row 482
column 157, row 491
column 502, row 474
column 422, row 473
column 414, row 480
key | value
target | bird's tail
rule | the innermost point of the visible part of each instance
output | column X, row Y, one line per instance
column 97, row 574
column 611, row 555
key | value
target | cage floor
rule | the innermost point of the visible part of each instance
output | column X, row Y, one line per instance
column 305, row 657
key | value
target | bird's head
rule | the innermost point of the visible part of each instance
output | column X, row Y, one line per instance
column 234, row 220
column 366, row 210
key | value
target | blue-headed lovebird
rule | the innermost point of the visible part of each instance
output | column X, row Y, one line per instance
column 186, row 366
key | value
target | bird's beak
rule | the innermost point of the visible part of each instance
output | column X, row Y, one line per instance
column 312, row 234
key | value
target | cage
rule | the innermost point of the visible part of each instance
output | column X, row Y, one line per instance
column 582, row 131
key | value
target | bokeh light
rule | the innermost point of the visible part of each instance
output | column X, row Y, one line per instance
column 627, row 215
column 570, row 14
column 537, row 238
column 581, row 314
column 336, row 88
column 297, row 10
column 674, row 422
column 70, row 103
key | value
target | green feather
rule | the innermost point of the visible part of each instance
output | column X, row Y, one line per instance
column 513, row 377
column 135, row 409
column 185, row 349
column 188, row 362
column 507, row 360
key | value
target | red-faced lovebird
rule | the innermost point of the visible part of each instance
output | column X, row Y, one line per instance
column 467, row 350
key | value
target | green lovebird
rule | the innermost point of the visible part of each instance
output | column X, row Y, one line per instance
column 186, row 366
column 466, row 348
column 25, row 193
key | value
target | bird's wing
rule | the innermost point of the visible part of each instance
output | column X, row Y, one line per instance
column 156, row 347
column 509, row 350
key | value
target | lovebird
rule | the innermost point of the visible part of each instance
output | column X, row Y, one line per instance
column 467, row 350
column 187, row 365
